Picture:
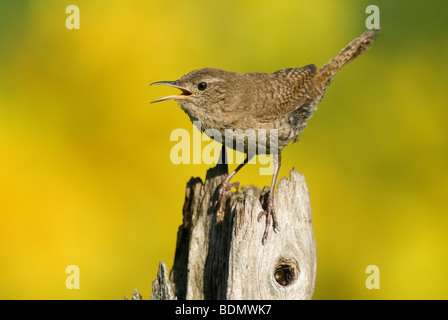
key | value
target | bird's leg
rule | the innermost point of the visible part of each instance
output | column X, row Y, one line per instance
column 226, row 185
column 270, row 208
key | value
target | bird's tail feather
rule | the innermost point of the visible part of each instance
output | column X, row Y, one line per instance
column 351, row 51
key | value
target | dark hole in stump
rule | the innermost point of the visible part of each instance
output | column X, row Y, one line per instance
column 285, row 273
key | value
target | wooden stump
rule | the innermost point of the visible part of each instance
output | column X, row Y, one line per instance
column 222, row 257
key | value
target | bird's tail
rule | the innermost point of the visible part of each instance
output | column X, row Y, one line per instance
column 324, row 76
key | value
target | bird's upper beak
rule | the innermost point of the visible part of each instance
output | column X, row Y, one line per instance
column 184, row 95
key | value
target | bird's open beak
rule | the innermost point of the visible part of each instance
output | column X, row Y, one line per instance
column 184, row 95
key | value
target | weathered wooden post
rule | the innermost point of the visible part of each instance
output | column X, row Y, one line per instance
column 222, row 257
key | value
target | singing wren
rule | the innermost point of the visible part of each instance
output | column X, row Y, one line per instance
column 281, row 102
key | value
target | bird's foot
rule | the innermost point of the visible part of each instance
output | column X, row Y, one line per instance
column 223, row 188
column 270, row 218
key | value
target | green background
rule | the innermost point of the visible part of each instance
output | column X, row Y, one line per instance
column 85, row 172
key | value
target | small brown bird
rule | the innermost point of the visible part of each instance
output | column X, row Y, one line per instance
column 279, row 103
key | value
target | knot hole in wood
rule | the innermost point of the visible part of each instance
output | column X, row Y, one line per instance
column 286, row 272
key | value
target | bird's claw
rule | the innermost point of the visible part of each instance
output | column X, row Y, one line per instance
column 270, row 218
column 223, row 188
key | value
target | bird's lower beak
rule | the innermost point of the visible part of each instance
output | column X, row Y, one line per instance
column 184, row 95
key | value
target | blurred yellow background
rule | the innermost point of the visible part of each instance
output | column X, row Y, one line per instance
column 85, row 173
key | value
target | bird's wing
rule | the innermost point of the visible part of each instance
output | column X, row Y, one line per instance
column 286, row 91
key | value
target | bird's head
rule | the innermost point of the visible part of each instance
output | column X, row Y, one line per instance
column 203, row 91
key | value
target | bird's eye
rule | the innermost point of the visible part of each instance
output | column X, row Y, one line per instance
column 202, row 86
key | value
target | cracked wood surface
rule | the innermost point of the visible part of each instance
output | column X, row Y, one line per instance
column 220, row 256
